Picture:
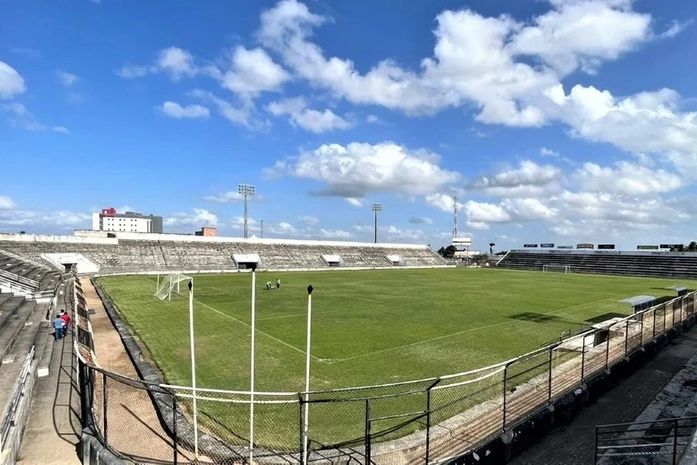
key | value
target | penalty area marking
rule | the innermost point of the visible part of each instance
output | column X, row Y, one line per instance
column 259, row 331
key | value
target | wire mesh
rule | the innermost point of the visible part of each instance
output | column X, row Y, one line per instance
column 466, row 410
column 527, row 386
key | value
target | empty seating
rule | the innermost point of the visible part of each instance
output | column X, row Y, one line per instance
column 134, row 256
column 662, row 264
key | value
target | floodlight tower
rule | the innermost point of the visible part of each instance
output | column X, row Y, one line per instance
column 377, row 207
column 454, row 215
column 246, row 190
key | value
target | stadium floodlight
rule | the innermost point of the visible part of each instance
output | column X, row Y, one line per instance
column 246, row 190
column 376, row 207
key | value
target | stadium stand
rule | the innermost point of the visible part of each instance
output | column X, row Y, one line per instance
column 187, row 253
column 662, row 264
column 26, row 277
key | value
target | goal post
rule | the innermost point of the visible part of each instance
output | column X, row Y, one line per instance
column 170, row 284
column 556, row 268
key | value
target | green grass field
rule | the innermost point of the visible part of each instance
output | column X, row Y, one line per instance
column 369, row 327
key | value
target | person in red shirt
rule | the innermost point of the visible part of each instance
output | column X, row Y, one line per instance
column 65, row 317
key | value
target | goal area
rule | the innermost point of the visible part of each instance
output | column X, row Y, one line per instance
column 556, row 268
column 170, row 284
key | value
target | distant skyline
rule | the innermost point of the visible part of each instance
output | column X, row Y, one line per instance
column 562, row 121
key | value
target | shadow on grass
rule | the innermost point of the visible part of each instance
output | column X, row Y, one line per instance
column 536, row 317
column 605, row 317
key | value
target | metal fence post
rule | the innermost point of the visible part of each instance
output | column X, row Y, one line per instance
column 664, row 318
column 301, row 428
column 105, row 407
column 505, row 394
column 654, row 322
column 85, row 401
column 607, row 350
column 549, row 377
column 367, row 432
column 626, row 338
column 583, row 359
column 428, row 419
column 174, row 426
column 641, row 332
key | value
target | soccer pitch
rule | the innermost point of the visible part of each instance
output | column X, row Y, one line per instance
column 369, row 327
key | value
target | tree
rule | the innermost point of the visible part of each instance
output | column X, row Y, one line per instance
column 692, row 247
column 447, row 252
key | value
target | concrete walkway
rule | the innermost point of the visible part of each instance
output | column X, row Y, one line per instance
column 574, row 444
column 53, row 430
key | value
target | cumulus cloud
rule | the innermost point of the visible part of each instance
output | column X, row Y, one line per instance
column 356, row 169
column 20, row 117
column 66, row 79
column 6, row 203
column 252, row 72
column 11, row 83
column 225, row 197
column 334, row 234
column 177, row 111
column 626, row 178
column 443, row 202
column 316, row 121
column 529, row 179
column 197, row 217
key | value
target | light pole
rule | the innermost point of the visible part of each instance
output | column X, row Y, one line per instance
column 377, row 207
column 246, row 190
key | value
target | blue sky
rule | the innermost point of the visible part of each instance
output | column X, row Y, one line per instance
column 563, row 121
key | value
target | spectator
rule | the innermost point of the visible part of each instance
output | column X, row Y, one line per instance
column 66, row 318
column 58, row 325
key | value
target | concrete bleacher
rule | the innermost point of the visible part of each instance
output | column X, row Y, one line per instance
column 162, row 253
column 661, row 264
column 26, row 277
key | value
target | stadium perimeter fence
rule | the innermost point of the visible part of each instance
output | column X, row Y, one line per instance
column 423, row 421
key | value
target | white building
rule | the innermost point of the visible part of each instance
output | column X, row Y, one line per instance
column 109, row 220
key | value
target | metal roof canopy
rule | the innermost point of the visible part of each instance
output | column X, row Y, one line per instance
column 677, row 288
column 638, row 300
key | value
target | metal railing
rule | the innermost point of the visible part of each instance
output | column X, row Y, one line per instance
column 643, row 440
column 9, row 417
column 421, row 421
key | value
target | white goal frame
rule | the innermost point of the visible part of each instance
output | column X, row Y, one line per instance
column 559, row 268
column 169, row 284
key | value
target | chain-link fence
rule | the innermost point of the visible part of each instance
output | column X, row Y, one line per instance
column 421, row 421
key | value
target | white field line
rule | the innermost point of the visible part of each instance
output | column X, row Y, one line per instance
column 259, row 331
column 446, row 336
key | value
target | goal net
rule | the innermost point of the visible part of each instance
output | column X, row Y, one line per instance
column 557, row 268
column 170, row 284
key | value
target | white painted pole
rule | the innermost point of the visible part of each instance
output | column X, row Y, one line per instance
column 306, row 422
column 251, row 372
column 193, row 363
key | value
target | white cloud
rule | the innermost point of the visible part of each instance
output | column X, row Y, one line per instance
column 177, row 62
column 283, row 228
column 393, row 233
column 529, row 179
column 11, row 83
column 21, row 118
column 175, row 110
column 132, row 71
column 550, row 153
column 356, row 169
column 11, row 216
column 335, row 234
column 225, row 197
column 626, row 178
column 66, row 79
column 581, row 34
column 242, row 114
column 443, row 202
column 6, row 203
column 308, row 220
column 354, row 202
column 253, row 71
column 198, row 217
column 312, row 120
column 420, row 220
column 482, row 212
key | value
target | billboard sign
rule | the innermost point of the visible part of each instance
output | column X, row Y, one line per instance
column 606, row 246
column 547, row 245
column 584, row 246
column 529, row 245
